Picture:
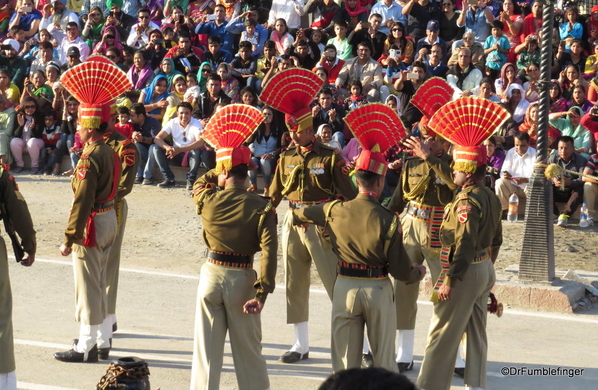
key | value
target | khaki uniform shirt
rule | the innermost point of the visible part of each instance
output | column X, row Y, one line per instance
column 428, row 182
column 314, row 176
column 241, row 222
column 18, row 211
column 362, row 232
column 472, row 223
column 129, row 160
column 92, row 182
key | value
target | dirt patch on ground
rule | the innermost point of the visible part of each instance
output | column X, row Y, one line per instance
column 163, row 232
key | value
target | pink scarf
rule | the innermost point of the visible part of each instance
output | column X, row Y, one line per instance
column 358, row 9
column 279, row 47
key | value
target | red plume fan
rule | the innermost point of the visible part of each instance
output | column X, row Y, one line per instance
column 468, row 121
column 376, row 123
column 95, row 81
column 232, row 125
column 433, row 94
column 291, row 90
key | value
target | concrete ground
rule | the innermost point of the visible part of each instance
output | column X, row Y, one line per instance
column 156, row 313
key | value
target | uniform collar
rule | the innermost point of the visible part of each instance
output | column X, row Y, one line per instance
column 316, row 147
column 367, row 196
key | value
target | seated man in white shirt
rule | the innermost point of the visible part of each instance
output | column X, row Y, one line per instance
column 516, row 170
column 464, row 77
column 186, row 137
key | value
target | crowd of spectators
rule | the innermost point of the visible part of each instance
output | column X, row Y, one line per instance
column 185, row 59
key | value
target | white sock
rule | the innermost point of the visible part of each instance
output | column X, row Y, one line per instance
column 366, row 344
column 459, row 362
column 473, row 388
column 8, row 381
column 87, row 338
column 112, row 318
column 105, row 333
column 406, row 341
column 301, row 338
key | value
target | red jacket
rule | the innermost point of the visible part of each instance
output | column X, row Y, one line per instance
column 332, row 71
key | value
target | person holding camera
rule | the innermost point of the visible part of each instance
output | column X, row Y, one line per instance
column 408, row 84
column 139, row 35
column 57, row 15
column 369, row 32
column 120, row 20
column 330, row 62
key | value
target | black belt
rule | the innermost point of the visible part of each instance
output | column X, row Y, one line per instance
column 361, row 271
column 230, row 259
column 103, row 205
column 418, row 212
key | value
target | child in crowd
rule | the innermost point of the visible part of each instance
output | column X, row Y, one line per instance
column 530, row 53
column 250, row 34
column 193, row 90
column 496, row 47
column 344, row 50
column 230, row 85
column 124, row 126
column 356, row 99
column 48, row 156
column 264, row 63
column 168, row 34
column 570, row 29
column 317, row 36
column 244, row 65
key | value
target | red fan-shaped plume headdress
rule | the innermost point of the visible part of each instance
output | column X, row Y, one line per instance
column 377, row 128
column 429, row 98
column 95, row 83
column 292, row 91
column 467, row 122
column 228, row 129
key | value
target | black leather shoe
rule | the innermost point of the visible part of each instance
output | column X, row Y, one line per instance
column 367, row 360
column 293, row 357
column 72, row 356
column 460, row 372
column 114, row 328
column 139, row 180
column 405, row 367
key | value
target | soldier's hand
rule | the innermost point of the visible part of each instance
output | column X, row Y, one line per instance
column 415, row 145
column 422, row 269
column 445, row 293
column 28, row 259
column 65, row 250
column 253, row 307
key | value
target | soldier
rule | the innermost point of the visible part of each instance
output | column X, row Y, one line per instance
column 92, row 226
column 426, row 186
column 307, row 173
column 367, row 239
column 471, row 235
column 15, row 213
column 236, row 224
column 129, row 162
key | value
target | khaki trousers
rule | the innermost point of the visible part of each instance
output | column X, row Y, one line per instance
column 417, row 242
column 299, row 248
column 357, row 302
column 504, row 188
column 465, row 313
column 7, row 353
column 89, row 265
column 590, row 195
column 221, row 294
column 112, row 269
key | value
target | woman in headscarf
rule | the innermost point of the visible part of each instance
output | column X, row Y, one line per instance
column 202, row 76
column 557, row 102
column 516, row 103
column 232, row 7
column 352, row 13
column 508, row 76
column 179, row 87
column 571, row 126
column 110, row 38
column 230, row 85
column 37, row 87
column 28, row 21
column 530, row 126
column 487, row 90
column 92, row 31
column 141, row 71
column 154, row 97
column 167, row 69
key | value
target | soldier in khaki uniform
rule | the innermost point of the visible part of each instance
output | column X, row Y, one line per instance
column 129, row 162
column 426, row 186
column 307, row 173
column 92, row 225
column 236, row 225
column 471, row 235
column 20, row 219
column 366, row 237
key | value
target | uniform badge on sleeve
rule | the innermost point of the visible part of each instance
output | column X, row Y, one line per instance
column 81, row 173
column 129, row 159
column 462, row 215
